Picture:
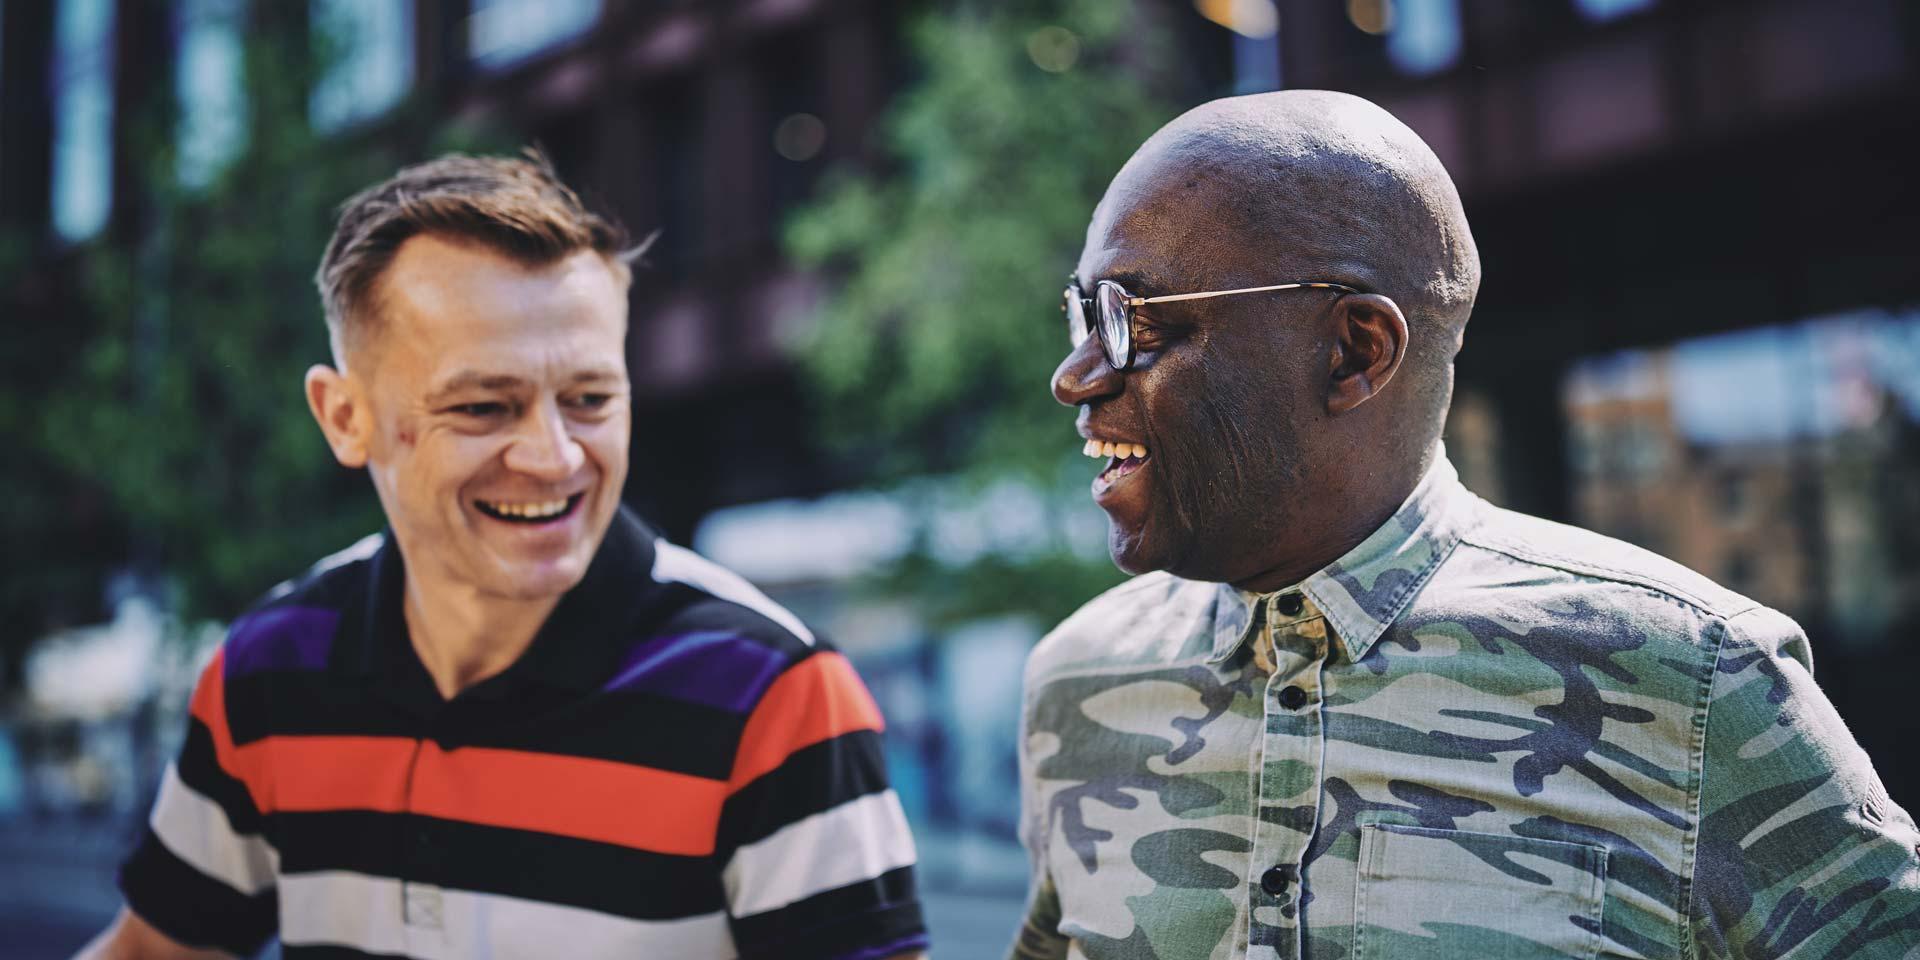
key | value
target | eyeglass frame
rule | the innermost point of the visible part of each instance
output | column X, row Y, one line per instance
column 1097, row 330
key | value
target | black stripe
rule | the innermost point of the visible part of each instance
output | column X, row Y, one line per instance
column 692, row 609
column 635, row 727
column 612, row 879
column 190, row 906
column 200, row 769
column 869, row 913
column 813, row 780
column 327, row 951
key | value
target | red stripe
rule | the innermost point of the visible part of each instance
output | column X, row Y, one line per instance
column 598, row 800
column 820, row 698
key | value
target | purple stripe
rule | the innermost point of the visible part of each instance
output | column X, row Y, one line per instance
column 903, row 945
column 281, row 638
column 711, row 667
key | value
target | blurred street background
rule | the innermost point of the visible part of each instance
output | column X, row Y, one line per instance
column 1699, row 328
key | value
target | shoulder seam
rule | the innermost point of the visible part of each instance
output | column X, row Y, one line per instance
column 1703, row 711
column 1598, row 571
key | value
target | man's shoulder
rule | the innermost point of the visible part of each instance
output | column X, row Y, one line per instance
column 1154, row 618
column 1508, row 548
column 709, row 599
column 293, row 625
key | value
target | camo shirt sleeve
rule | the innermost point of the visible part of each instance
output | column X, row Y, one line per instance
column 1801, row 853
column 1039, row 937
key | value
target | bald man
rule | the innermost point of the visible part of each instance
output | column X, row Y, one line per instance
column 1348, row 709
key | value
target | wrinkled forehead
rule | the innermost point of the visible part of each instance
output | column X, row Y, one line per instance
column 1180, row 217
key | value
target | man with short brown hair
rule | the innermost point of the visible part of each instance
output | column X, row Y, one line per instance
column 519, row 723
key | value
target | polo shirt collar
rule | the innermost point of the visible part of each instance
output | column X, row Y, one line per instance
column 577, row 648
column 1364, row 591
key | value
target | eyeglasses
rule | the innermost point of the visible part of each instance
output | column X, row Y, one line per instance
column 1116, row 306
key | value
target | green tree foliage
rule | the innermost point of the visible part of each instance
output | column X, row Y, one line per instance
column 933, row 351
column 184, row 405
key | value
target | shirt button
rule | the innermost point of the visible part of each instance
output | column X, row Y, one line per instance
column 1290, row 604
column 1293, row 698
column 1275, row 881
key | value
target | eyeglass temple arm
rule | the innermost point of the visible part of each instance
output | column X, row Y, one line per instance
column 1138, row 301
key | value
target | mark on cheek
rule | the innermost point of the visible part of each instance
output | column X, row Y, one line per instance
column 407, row 434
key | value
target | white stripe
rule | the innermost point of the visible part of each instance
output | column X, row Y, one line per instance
column 857, row 840
column 362, row 549
column 673, row 564
column 362, row 912
column 196, row 829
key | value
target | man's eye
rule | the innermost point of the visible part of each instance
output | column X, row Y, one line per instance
column 592, row 401
column 488, row 409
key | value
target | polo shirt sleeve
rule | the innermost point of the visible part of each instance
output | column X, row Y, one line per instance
column 816, row 858
column 203, row 873
column 1801, row 852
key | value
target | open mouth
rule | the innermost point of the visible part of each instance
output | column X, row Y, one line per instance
column 530, row 511
column 1122, row 459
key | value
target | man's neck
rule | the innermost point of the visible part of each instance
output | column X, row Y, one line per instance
column 463, row 636
column 1341, row 531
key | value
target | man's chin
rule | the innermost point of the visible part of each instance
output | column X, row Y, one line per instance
column 1132, row 551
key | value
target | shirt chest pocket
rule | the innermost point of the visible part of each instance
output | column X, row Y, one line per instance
column 1444, row 894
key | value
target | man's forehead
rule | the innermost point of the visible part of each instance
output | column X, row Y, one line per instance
column 1167, row 236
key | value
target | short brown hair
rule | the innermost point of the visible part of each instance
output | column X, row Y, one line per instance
column 515, row 205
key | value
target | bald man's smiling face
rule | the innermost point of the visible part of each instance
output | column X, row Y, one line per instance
column 1223, row 393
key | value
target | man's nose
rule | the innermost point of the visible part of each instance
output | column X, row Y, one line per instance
column 544, row 448
column 1085, row 376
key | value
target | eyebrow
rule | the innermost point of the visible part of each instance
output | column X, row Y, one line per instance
column 1139, row 281
column 478, row 380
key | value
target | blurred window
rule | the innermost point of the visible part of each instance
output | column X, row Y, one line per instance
column 1425, row 36
column 502, row 33
column 1603, row 10
column 212, row 127
column 367, row 46
column 679, row 134
column 1256, row 40
column 793, row 103
column 82, row 117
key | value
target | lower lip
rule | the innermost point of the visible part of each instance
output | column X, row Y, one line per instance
column 572, row 510
column 1116, row 477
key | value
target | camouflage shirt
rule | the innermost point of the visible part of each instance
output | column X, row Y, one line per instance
column 1478, row 734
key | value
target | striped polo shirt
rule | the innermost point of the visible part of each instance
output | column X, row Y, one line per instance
column 676, row 768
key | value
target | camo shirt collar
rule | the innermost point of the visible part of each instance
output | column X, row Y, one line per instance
column 1363, row 592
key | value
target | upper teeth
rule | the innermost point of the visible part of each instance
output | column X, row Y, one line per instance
column 545, row 509
column 1103, row 448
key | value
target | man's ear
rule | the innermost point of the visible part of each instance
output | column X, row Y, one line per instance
column 1369, row 343
column 340, row 410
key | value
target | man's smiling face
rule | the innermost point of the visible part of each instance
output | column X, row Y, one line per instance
column 1221, row 396
column 498, row 407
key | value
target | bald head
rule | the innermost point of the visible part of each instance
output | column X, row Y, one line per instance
column 1320, row 186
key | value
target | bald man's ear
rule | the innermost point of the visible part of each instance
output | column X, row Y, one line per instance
column 341, row 412
column 1369, row 344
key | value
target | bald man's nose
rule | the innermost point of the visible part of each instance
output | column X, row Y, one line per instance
column 1084, row 375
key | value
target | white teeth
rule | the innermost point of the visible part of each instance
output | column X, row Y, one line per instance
column 532, row 511
column 1105, row 448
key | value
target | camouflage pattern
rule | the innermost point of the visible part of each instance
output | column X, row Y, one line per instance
column 1505, row 738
